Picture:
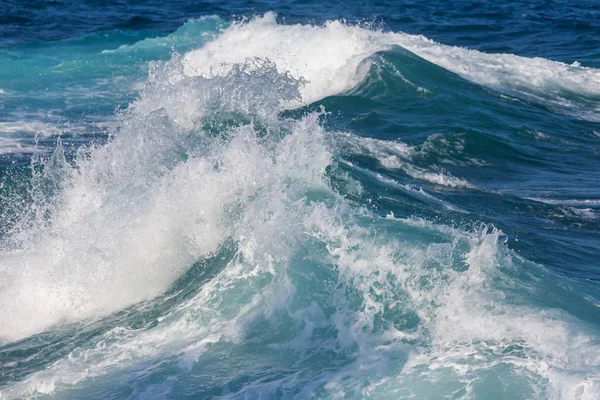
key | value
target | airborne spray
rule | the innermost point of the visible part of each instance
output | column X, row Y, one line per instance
column 233, row 238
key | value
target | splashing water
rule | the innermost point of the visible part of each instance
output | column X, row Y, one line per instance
column 233, row 237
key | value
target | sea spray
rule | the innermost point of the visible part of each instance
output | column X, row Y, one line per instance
column 228, row 240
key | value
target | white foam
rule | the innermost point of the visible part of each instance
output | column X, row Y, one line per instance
column 438, row 178
column 466, row 325
column 133, row 216
column 331, row 60
column 111, row 244
column 568, row 202
column 388, row 152
column 136, row 213
column 533, row 77
column 141, row 245
column 326, row 57
column 419, row 194
column 396, row 155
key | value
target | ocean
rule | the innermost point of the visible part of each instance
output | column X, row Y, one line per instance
column 299, row 199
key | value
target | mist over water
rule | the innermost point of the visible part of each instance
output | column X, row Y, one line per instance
column 271, row 205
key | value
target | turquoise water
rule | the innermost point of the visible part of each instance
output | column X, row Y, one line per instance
column 299, row 200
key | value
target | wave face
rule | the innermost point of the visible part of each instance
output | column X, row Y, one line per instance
column 284, row 209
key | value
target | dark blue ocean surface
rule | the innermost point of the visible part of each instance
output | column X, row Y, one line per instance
column 300, row 199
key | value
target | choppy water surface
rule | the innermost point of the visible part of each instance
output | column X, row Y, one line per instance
column 299, row 200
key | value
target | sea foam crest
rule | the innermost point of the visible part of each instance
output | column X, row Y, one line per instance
column 332, row 58
column 402, row 305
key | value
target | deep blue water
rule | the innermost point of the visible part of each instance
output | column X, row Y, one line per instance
column 300, row 199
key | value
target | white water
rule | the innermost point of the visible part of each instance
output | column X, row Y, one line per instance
column 133, row 216
column 331, row 59
column 137, row 213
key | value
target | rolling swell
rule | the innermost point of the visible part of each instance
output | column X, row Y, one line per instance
column 260, row 223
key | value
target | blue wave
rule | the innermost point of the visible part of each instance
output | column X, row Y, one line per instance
column 290, row 207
